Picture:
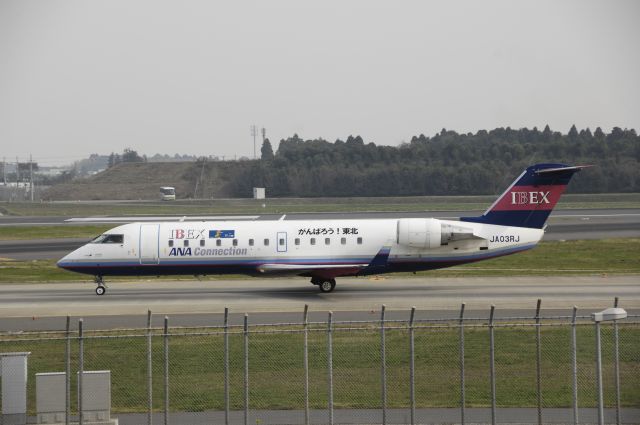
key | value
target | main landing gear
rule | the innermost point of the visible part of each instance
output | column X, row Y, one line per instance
column 101, row 288
column 325, row 285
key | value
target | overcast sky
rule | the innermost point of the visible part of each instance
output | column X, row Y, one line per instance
column 78, row 77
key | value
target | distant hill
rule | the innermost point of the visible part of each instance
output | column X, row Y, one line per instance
column 142, row 180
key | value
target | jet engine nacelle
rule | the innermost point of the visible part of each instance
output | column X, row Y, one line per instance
column 423, row 233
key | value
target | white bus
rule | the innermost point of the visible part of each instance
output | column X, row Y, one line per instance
column 167, row 193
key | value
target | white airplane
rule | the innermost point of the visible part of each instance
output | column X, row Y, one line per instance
column 326, row 249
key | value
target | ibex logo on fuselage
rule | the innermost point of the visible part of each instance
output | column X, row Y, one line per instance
column 522, row 198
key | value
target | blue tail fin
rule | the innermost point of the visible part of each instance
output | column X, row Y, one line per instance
column 530, row 198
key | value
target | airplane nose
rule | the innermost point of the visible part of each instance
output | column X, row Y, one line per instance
column 62, row 263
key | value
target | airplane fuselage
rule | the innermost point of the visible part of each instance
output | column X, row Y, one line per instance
column 328, row 248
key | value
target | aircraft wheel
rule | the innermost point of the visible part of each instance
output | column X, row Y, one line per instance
column 327, row 285
column 100, row 290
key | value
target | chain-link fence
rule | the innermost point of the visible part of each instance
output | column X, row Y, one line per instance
column 538, row 369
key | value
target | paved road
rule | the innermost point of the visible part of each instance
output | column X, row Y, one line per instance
column 563, row 225
column 290, row 295
column 39, row 249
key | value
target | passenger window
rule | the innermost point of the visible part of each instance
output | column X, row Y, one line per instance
column 250, row 242
column 171, row 243
column 218, row 242
column 359, row 241
column 201, row 242
column 313, row 241
column 343, row 241
column 186, row 242
column 297, row 241
column 281, row 242
column 327, row 241
column 266, row 242
column 235, row 242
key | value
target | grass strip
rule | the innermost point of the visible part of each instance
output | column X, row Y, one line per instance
column 276, row 368
column 9, row 233
column 293, row 205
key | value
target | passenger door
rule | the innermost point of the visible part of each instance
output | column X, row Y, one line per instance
column 149, row 243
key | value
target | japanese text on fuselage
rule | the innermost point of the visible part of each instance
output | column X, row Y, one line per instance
column 328, row 231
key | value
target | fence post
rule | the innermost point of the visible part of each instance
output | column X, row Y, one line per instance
column 461, row 351
column 166, row 370
column 599, row 375
column 226, row 366
column 149, row 371
column 616, row 351
column 246, row 369
column 538, row 363
column 305, row 361
column 412, row 392
column 80, row 370
column 330, row 363
column 574, row 359
column 383, row 361
column 492, row 369
column 67, row 378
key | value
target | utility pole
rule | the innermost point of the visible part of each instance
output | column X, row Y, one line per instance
column 17, row 172
column 264, row 134
column 254, row 133
column 4, row 170
column 31, row 175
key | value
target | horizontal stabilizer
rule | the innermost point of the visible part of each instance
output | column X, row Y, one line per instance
column 562, row 169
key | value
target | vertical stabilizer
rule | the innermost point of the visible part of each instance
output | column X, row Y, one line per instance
column 530, row 198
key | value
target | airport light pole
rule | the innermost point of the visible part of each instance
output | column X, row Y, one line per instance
column 614, row 313
column 254, row 134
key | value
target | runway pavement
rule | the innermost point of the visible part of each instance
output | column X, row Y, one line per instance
column 267, row 296
column 277, row 300
column 562, row 225
column 8, row 220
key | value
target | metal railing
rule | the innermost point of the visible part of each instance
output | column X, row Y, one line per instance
column 478, row 369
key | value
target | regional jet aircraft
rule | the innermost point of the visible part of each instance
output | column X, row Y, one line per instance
column 326, row 249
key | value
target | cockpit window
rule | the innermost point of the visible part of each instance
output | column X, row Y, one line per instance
column 98, row 239
column 106, row 238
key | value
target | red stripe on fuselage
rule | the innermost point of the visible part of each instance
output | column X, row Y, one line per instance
column 526, row 198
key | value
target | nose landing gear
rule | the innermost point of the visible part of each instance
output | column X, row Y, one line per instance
column 325, row 285
column 101, row 288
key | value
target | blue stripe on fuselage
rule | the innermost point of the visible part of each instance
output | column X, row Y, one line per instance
column 249, row 266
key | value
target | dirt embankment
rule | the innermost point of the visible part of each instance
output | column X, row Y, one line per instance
column 143, row 181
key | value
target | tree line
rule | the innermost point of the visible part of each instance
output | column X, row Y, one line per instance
column 448, row 163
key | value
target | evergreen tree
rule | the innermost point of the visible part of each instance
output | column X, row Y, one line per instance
column 129, row 155
column 573, row 133
column 266, row 151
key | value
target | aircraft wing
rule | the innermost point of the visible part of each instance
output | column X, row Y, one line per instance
column 307, row 268
column 329, row 270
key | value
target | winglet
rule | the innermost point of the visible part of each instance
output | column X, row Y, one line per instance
column 378, row 262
